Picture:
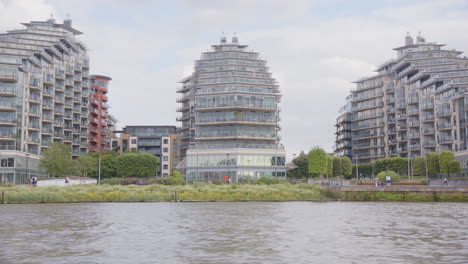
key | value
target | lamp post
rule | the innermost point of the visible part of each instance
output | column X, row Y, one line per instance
column 99, row 169
column 227, row 162
column 427, row 171
column 27, row 166
column 357, row 167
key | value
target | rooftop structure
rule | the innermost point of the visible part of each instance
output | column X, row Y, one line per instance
column 230, row 117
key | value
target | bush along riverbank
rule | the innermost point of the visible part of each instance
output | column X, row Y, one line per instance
column 157, row 192
column 399, row 193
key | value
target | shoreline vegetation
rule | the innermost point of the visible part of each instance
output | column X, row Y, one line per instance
column 162, row 193
column 223, row 193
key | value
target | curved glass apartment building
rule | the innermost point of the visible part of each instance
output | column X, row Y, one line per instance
column 230, row 117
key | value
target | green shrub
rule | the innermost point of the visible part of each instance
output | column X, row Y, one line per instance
column 394, row 176
column 268, row 181
column 111, row 181
column 172, row 180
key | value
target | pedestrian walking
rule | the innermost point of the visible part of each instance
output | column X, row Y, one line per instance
column 67, row 180
column 445, row 181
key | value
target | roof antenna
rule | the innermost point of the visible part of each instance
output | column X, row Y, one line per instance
column 51, row 19
column 235, row 39
column 223, row 39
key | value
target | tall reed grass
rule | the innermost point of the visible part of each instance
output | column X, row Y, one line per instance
column 156, row 192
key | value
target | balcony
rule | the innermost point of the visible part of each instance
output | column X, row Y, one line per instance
column 60, row 75
column 429, row 118
column 35, row 85
column 427, row 106
column 183, row 108
column 8, row 92
column 444, row 113
column 8, row 76
column 33, row 140
column 183, row 99
column 7, row 136
column 5, row 106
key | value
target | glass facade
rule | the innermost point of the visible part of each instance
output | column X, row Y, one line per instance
column 230, row 108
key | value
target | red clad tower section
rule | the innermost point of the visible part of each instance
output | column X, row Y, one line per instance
column 98, row 114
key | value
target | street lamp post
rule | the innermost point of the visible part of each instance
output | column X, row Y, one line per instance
column 99, row 169
column 227, row 162
column 427, row 171
column 27, row 166
column 357, row 167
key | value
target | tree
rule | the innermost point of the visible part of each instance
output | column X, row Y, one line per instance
column 86, row 165
column 347, row 166
column 329, row 165
column 109, row 164
column 302, row 167
column 433, row 163
column 176, row 178
column 454, row 166
column 337, row 166
column 394, row 177
column 445, row 158
column 317, row 161
column 397, row 164
column 137, row 165
column 419, row 165
column 57, row 160
column 364, row 169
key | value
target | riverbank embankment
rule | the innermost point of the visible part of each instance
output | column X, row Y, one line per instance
column 162, row 193
column 400, row 193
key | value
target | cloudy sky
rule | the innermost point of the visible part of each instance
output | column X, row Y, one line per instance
column 315, row 49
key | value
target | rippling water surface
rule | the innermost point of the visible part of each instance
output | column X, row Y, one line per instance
column 296, row 232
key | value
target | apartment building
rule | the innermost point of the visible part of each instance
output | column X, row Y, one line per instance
column 230, row 117
column 413, row 105
column 44, row 88
column 161, row 141
column 99, row 119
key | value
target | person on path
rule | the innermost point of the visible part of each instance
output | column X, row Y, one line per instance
column 67, row 180
column 445, row 181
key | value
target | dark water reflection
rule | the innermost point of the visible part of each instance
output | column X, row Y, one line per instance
column 234, row 233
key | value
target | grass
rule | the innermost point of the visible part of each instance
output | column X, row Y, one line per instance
column 156, row 192
column 388, row 196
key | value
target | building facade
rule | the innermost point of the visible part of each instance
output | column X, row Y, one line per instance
column 99, row 119
column 414, row 105
column 230, row 117
column 161, row 141
column 44, row 88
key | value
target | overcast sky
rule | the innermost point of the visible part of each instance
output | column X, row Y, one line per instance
column 315, row 49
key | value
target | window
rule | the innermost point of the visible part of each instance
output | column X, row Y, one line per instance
column 10, row 162
column 166, row 141
column 165, row 150
column 165, row 158
column 165, row 175
column 165, row 167
column 134, row 141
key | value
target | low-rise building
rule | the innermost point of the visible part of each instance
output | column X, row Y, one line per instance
column 161, row 141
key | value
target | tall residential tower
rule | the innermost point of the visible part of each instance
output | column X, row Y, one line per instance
column 44, row 86
column 230, row 117
column 415, row 104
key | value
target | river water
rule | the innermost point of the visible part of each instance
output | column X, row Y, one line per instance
column 291, row 232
